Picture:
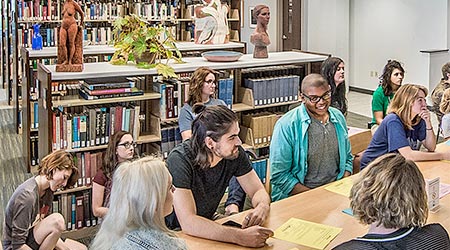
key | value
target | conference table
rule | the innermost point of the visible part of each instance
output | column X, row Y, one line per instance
column 325, row 207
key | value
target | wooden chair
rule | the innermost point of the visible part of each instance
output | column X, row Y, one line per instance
column 359, row 142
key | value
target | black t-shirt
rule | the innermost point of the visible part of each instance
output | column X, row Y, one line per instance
column 431, row 236
column 207, row 185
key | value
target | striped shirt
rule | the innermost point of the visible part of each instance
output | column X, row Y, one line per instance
column 430, row 237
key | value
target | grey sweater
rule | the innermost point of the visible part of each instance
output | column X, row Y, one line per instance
column 149, row 239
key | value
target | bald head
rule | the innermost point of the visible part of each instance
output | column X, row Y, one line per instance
column 314, row 80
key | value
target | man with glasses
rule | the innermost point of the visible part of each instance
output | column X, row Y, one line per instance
column 310, row 145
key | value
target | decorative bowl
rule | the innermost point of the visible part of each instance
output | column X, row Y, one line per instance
column 222, row 56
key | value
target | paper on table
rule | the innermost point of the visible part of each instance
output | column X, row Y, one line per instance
column 307, row 233
column 342, row 186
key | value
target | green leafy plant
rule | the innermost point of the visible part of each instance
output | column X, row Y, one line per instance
column 146, row 45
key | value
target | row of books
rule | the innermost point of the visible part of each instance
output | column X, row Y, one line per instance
column 76, row 208
column 94, row 125
column 25, row 36
column 50, row 10
column 260, row 167
column 170, row 137
column 156, row 10
column 274, row 71
column 88, row 164
column 271, row 90
column 91, row 89
column 169, row 101
column 225, row 91
column 261, row 125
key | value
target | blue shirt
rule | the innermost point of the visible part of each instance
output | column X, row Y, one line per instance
column 186, row 116
column 289, row 150
column 392, row 135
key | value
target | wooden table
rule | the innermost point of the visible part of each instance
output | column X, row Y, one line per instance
column 325, row 207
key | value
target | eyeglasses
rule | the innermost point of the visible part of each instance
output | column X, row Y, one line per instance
column 316, row 99
column 210, row 81
column 127, row 145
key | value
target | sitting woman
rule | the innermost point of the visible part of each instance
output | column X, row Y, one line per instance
column 405, row 129
column 29, row 223
column 390, row 81
column 333, row 70
column 202, row 88
column 141, row 196
column 390, row 197
column 121, row 148
column 444, row 108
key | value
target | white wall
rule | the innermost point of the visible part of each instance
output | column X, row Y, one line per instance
column 272, row 29
column 377, row 31
column 326, row 27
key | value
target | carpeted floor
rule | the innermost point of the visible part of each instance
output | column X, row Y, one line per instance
column 12, row 163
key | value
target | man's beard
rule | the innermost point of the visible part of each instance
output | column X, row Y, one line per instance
column 232, row 156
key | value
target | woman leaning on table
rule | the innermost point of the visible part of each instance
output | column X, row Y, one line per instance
column 29, row 223
column 141, row 196
column 121, row 148
column 390, row 197
column 406, row 127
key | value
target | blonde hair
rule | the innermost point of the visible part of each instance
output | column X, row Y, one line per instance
column 444, row 106
column 60, row 160
column 137, row 201
column 390, row 192
column 402, row 103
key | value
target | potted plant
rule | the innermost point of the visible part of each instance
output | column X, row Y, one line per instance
column 146, row 45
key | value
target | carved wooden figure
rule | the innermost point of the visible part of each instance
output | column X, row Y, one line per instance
column 70, row 46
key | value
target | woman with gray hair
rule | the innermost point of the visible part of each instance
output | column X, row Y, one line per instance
column 390, row 197
column 141, row 196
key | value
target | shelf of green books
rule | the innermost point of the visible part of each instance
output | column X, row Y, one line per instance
column 82, row 102
column 72, row 190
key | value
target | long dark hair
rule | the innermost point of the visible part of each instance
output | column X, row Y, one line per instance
column 328, row 70
column 385, row 78
column 110, row 158
column 211, row 121
column 196, row 84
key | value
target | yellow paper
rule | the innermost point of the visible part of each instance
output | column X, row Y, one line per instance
column 307, row 233
column 342, row 186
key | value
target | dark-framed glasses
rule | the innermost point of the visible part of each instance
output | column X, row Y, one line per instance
column 210, row 81
column 316, row 99
column 128, row 145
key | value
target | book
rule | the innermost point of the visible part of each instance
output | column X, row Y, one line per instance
column 107, row 83
column 109, row 91
column 86, row 96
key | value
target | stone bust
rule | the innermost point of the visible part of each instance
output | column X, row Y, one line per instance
column 260, row 38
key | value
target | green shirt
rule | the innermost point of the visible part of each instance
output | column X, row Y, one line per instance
column 380, row 102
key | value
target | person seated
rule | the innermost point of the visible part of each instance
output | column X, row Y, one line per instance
column 390, row 197
column 29, row 223
column 405, row 129
column 390, row 81
column 444, row 108
column 310, row 145
column 202, row 88
column 141, row 196
column 436, row 95
column 202, row 167
column 332, row 70
column 121, row 148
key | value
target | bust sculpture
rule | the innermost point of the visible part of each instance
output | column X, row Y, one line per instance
column 260, row 38
column 70, row 46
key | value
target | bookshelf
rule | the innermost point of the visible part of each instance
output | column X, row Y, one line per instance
column 26, row 109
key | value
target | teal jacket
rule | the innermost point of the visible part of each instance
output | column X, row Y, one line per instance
column 289, row 150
